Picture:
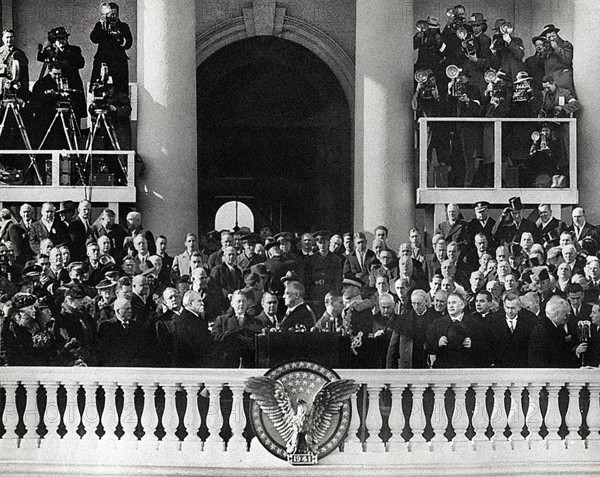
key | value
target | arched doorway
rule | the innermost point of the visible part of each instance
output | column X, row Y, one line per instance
column 234, row 214
column 274, row 130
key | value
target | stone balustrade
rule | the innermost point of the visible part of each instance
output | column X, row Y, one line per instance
column 140, row 421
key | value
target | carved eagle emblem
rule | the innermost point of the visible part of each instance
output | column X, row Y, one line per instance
column 301, row 424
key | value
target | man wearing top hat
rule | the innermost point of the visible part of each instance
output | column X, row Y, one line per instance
column 323, row 272
column 558, row 60
column 57, row 49
column 512, row 232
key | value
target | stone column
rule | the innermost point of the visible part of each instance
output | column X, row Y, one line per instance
column 586, row 68
column 383, row 174
column 166, row 143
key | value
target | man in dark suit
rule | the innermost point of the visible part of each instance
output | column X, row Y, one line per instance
column 409, row 334
column 216, row 258
column 358, row 264
column 18, row 234
column 134, row 226
column 298, row 313
column 482, row 223
column 278, row 266
column 227, row 276
column 142, row 305
column 121, row 341
column 48, row 227
column 453, row 229
column 509, row 334
column 105, row 225
column 580, row 310
column 268, row 316
column 550, row 345
column 581, row 228
column 80, row 231
column 192, row 342
column 167, row 261
column 452, row 338
column 546, row 223
column 433, row 261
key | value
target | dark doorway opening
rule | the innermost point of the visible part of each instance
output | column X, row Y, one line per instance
column 274, row 130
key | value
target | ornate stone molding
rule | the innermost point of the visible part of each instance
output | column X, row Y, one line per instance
column 265, row 18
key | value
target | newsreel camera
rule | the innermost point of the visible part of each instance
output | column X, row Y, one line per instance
column 458, row 86
column 540, row 140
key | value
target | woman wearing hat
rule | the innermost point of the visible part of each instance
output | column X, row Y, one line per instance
column 58, row 50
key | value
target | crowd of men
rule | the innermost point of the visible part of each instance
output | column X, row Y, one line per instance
column 54, row 113
column 507, row 293
column 463, row 72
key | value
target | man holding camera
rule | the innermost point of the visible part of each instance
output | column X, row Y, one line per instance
column 476, row 48
column 113, row 38
column 559, row 58
column 507, row 50
column 58, row 50
column 558, row 102
column 46, row 94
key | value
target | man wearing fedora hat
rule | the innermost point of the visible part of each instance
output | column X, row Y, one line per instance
column 558, row 60
column 535, row 65
column 507, row 50
column 479, row 63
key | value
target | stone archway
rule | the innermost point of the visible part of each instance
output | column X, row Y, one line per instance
column 265, row 18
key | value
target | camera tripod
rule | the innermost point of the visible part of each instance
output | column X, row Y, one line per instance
column 13, row 105
column 64, row 111
column 103, row 120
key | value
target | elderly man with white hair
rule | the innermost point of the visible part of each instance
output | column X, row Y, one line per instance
column 134, row 226
column 550, row 345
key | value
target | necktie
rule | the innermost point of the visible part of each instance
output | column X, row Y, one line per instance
column 512, row 325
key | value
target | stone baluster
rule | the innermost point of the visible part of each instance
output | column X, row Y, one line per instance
column 51, row 415
column 460, row 418
column 170, row 419
column 573, row 418
column 417, row 420
column 516, row 418
column 353, row 442
column 237, row 420
column 214, row 420
column 129, row 417
column 90, row 415
column 593, row 418
column 533, row 418
column 480, row 419
column 11, row 416
column 71, row 417
column 149, row 417
column 110, row 418
column 439, row 418
column 31, row 417
column 396, row 420
column 191, row 419
column 374, row 442
column 499, row 418
column 553, row 419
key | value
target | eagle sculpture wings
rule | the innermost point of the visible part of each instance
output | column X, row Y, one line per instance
column 296, row 420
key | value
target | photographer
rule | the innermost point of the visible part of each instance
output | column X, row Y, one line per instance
column 430, row 50
column 14, row 67
column 476, row 48
column 58, row 50
column 557, row 102
column 46, row 95
column 535, row 64
column 113, row 38
column 559, row 58
column 507, row 50
column 456, row 19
